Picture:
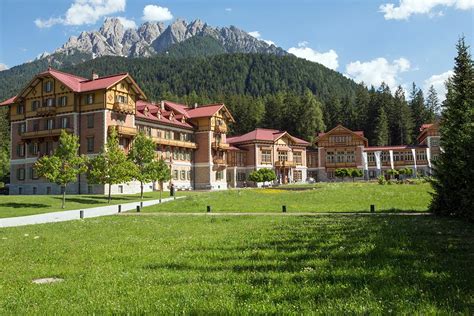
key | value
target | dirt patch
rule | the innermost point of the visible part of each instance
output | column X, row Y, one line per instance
column 47, row 280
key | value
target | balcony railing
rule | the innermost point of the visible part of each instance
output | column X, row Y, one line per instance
column 340, row 164
column 175, row 143
column 286, row 163
column 46, row 111
column 220, row 146
column 219, row 161
column 220, row 129
column 45, row 133
column 124, row 130
column 124, row 108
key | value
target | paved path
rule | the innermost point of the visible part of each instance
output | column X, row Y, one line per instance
column 74, row 214
column 277, row 214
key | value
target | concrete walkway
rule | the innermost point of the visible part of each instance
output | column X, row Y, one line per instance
column 278, row 214
column 74, row 214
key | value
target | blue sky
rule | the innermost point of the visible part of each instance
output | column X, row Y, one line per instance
column 368, row 40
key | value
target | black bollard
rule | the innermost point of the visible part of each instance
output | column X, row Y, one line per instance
column 81, row 214
column 138, row 208
column 372, row 208
column 283, row 208
column 120, row 208
column 208, row 208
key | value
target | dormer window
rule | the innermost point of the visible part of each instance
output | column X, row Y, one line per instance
column 171, row 116
column 146, row 111
column 121, row 99
column 90, row 98
column 158, row 114
column 48, row 86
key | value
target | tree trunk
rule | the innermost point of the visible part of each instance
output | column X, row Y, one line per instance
column 110, row 192
column 64, row 197
column 141, row 190
column 161, row 190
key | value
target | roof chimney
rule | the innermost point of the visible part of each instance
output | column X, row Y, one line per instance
column 162, row 105
column 94, row 75
column 195, row 105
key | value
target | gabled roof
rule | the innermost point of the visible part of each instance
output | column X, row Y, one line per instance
column 208, row 110
column 180, row 108
column 264, row 134
column 80, row 84
column 424, row 131
column 359, row 134
column 8, row 101
column 152, row 115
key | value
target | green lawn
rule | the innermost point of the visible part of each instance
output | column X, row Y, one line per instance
column 240, row 265
column 21, row 205
column 325, row 197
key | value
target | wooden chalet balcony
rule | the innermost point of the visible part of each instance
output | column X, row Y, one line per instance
column 220, row 129
column 45, row 133
column 219, row 161
column 285, row 164
column 124, row 108
column 220, row 146
column 124, row 130
column 46, row 111
column 174, row 143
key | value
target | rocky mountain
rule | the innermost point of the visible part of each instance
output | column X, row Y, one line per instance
column 112, row 39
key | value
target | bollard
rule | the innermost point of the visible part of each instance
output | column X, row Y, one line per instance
column 208, row 208
column 372, row 208
column 120, row 208
column 283, row 208
column 138, row 208
column 81, row 214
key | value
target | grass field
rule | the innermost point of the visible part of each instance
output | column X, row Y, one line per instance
column 21, row 205
column 246, row 265
column 324, row 197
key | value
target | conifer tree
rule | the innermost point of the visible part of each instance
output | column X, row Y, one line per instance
column 418, row 110
column 309, row 117
column 401, row 120
column 382, row 132
column 432, row 104
column 111, row 166
column 454, row 168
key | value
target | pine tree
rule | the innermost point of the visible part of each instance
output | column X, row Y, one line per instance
column 402, row 120
column 382, row 132
column 111, row 166
column 274, row 110
column 64, row 165
column 418, row 110
column 362, row 100
column 309, row 117
column 432, row 104
column 454, row 168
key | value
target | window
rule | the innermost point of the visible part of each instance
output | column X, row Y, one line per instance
column 48, row 148
column 219, row 175
column 297, row 157
column 20, row 174
column 282, row 156
column 49, row 124
column 21, row 128
column 62, row 101
column 297, row 176
column 50, row 102
column 20, row 150
column 33, row 149
column 175, row 154
column 181, row 154
column 90, row 144
column 175, row 174
column 168, row 153
column 340, row 139
column 340, row 156
column 183, row 175
column 167, row 134
column 20, row 109
column 330, row 174
column 90, row 121
column 266, row 157
column 34, row 190
column 64, row 122
column 370, row 157
column 33, row 173
column 90, row 98
column 421, row 155
column 241, row 176
column 48, row 86
column 121, row 99
column 188, row 175
column 34, row 105
column 20, row 190
column 350, row 156
column 36, row 126
column 330, row 157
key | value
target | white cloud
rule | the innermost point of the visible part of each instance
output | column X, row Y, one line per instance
column 406, row 8
column 438, row 82
column 154, row 13
column 84, row 12
column 328, row 59
column 228, row 9
column 128, row 24
column 258, row 36
column 378, row 70
column 3, row 67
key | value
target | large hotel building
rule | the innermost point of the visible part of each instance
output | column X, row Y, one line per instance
column 192, row 139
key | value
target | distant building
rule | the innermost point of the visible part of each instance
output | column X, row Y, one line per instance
column 192, row 140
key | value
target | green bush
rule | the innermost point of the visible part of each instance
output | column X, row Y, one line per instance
column 381, row 180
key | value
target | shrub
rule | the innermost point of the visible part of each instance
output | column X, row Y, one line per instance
column 381, row 180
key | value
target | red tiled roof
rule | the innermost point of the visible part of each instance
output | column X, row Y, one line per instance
column 180, row 108
column 154, row 109
column 101, row 83
column 8, row 101
column 204, row 111
column 360, row 133
column 425, row 126
column 236, row 148
column 72, row 81
column 262, row 134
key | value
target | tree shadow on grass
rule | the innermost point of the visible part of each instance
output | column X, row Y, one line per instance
column 92, row 199
column 23, row 205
